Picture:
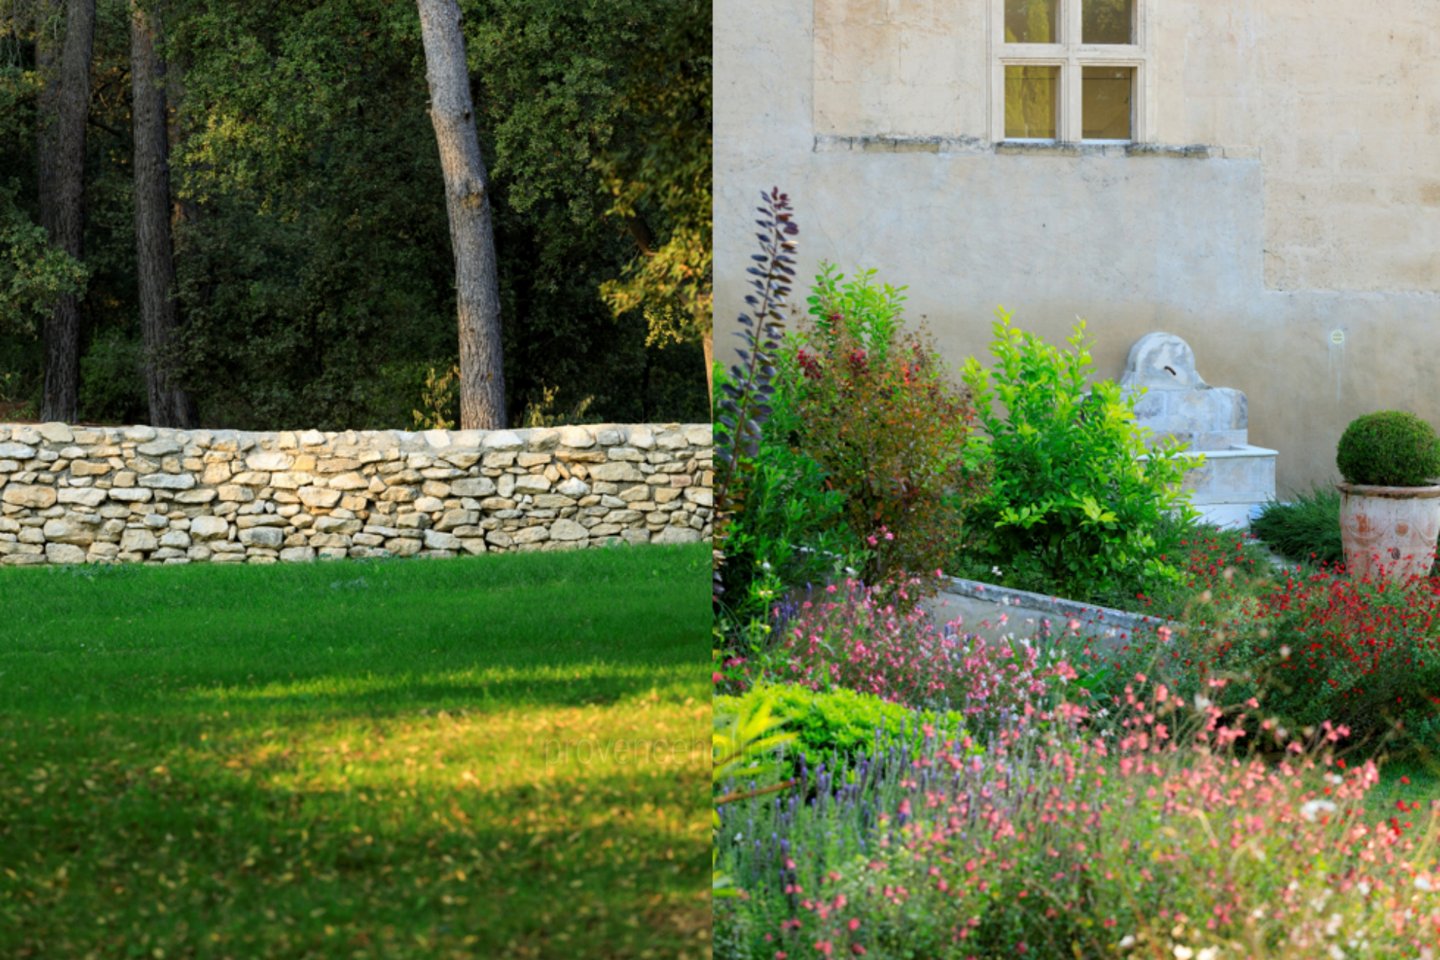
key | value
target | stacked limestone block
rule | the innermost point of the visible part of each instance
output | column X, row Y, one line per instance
column 140, row 494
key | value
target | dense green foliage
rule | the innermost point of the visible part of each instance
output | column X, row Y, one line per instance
column 1077, row 504
column 791, row 531
column 313, row 256
column 497, row 756
column 1306, row 530
column 878, row 411
column 1390, row 448
column 767, row 536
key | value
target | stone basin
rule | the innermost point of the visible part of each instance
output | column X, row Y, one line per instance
column 1232, row 484
column 1174, row 402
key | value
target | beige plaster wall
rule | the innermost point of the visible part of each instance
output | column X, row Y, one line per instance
column 1298, row 251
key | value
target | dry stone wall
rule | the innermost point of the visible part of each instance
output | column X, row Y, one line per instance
column 141, row 494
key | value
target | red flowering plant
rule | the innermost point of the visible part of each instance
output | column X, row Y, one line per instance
column 879, row 412
column 1324, row 646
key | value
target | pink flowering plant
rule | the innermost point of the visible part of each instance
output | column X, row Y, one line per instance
column 880, row 641
column 1160, row 834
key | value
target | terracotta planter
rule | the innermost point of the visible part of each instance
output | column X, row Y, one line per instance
column 1389, row 531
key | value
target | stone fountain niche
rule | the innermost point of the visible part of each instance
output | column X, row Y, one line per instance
column 1236, row 476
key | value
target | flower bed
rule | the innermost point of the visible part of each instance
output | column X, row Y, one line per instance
column 1160, row 836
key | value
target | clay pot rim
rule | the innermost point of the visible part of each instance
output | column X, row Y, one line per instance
column 1393, row 493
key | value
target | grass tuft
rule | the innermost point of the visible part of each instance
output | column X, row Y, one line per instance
column 1306, row 530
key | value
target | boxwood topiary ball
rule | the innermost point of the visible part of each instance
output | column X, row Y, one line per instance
column 1389, row 449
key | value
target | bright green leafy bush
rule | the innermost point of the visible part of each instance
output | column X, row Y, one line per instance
column 1077, row 504
column 844, row 723
column 1389, row 449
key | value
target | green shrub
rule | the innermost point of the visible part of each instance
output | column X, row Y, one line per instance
column 1304, row 530
column 792, row 530
column 843, row 724
column 1389, row 449
column 878, row 411
column 1077, row 505
column 868, row 312
column 742, row 401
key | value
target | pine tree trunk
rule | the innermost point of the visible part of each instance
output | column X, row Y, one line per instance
column 62, row 195
column 467, row 201
column 170, row 406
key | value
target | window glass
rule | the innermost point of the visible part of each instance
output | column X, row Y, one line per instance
column 1105, row 94
column 1032, row 96
column 1032, row 21
column 1107, row 21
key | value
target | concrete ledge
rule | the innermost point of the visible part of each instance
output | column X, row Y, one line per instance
column 886, row 143
column 993, row 611
column 901, row 144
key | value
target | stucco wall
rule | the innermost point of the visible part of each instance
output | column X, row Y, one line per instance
column 137, row 494
column 1295, row 243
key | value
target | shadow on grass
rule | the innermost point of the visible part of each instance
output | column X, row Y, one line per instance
column 611, row 866
column 371, row 695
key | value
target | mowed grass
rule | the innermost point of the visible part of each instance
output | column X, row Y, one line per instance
column 495, row 756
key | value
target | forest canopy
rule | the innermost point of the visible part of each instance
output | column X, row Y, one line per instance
column 313, row 273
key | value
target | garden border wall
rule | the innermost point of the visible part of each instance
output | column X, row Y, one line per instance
column 144, row 494
column 993, row 611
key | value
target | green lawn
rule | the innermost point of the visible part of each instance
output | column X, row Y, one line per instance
column 495, row 756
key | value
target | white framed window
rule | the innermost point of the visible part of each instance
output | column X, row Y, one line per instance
column 1068, row 70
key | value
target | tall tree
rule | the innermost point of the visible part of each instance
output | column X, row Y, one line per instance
column 656, row 169
column 62, row 196
column 170, row 406
column 467, row 202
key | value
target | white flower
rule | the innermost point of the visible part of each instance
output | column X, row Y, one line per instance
column 1422, row 882
column 1127, row 941
column 1332, row 926
column 1336, row 953
column 996, row 571
column 1183, row 953
column 1312, row 809
column 1209, row 953
column 1203, row 703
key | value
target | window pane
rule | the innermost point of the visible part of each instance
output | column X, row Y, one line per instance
column 1031, row 21
column 1032, row 95
column 1106, row 94
column 1107, row 21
